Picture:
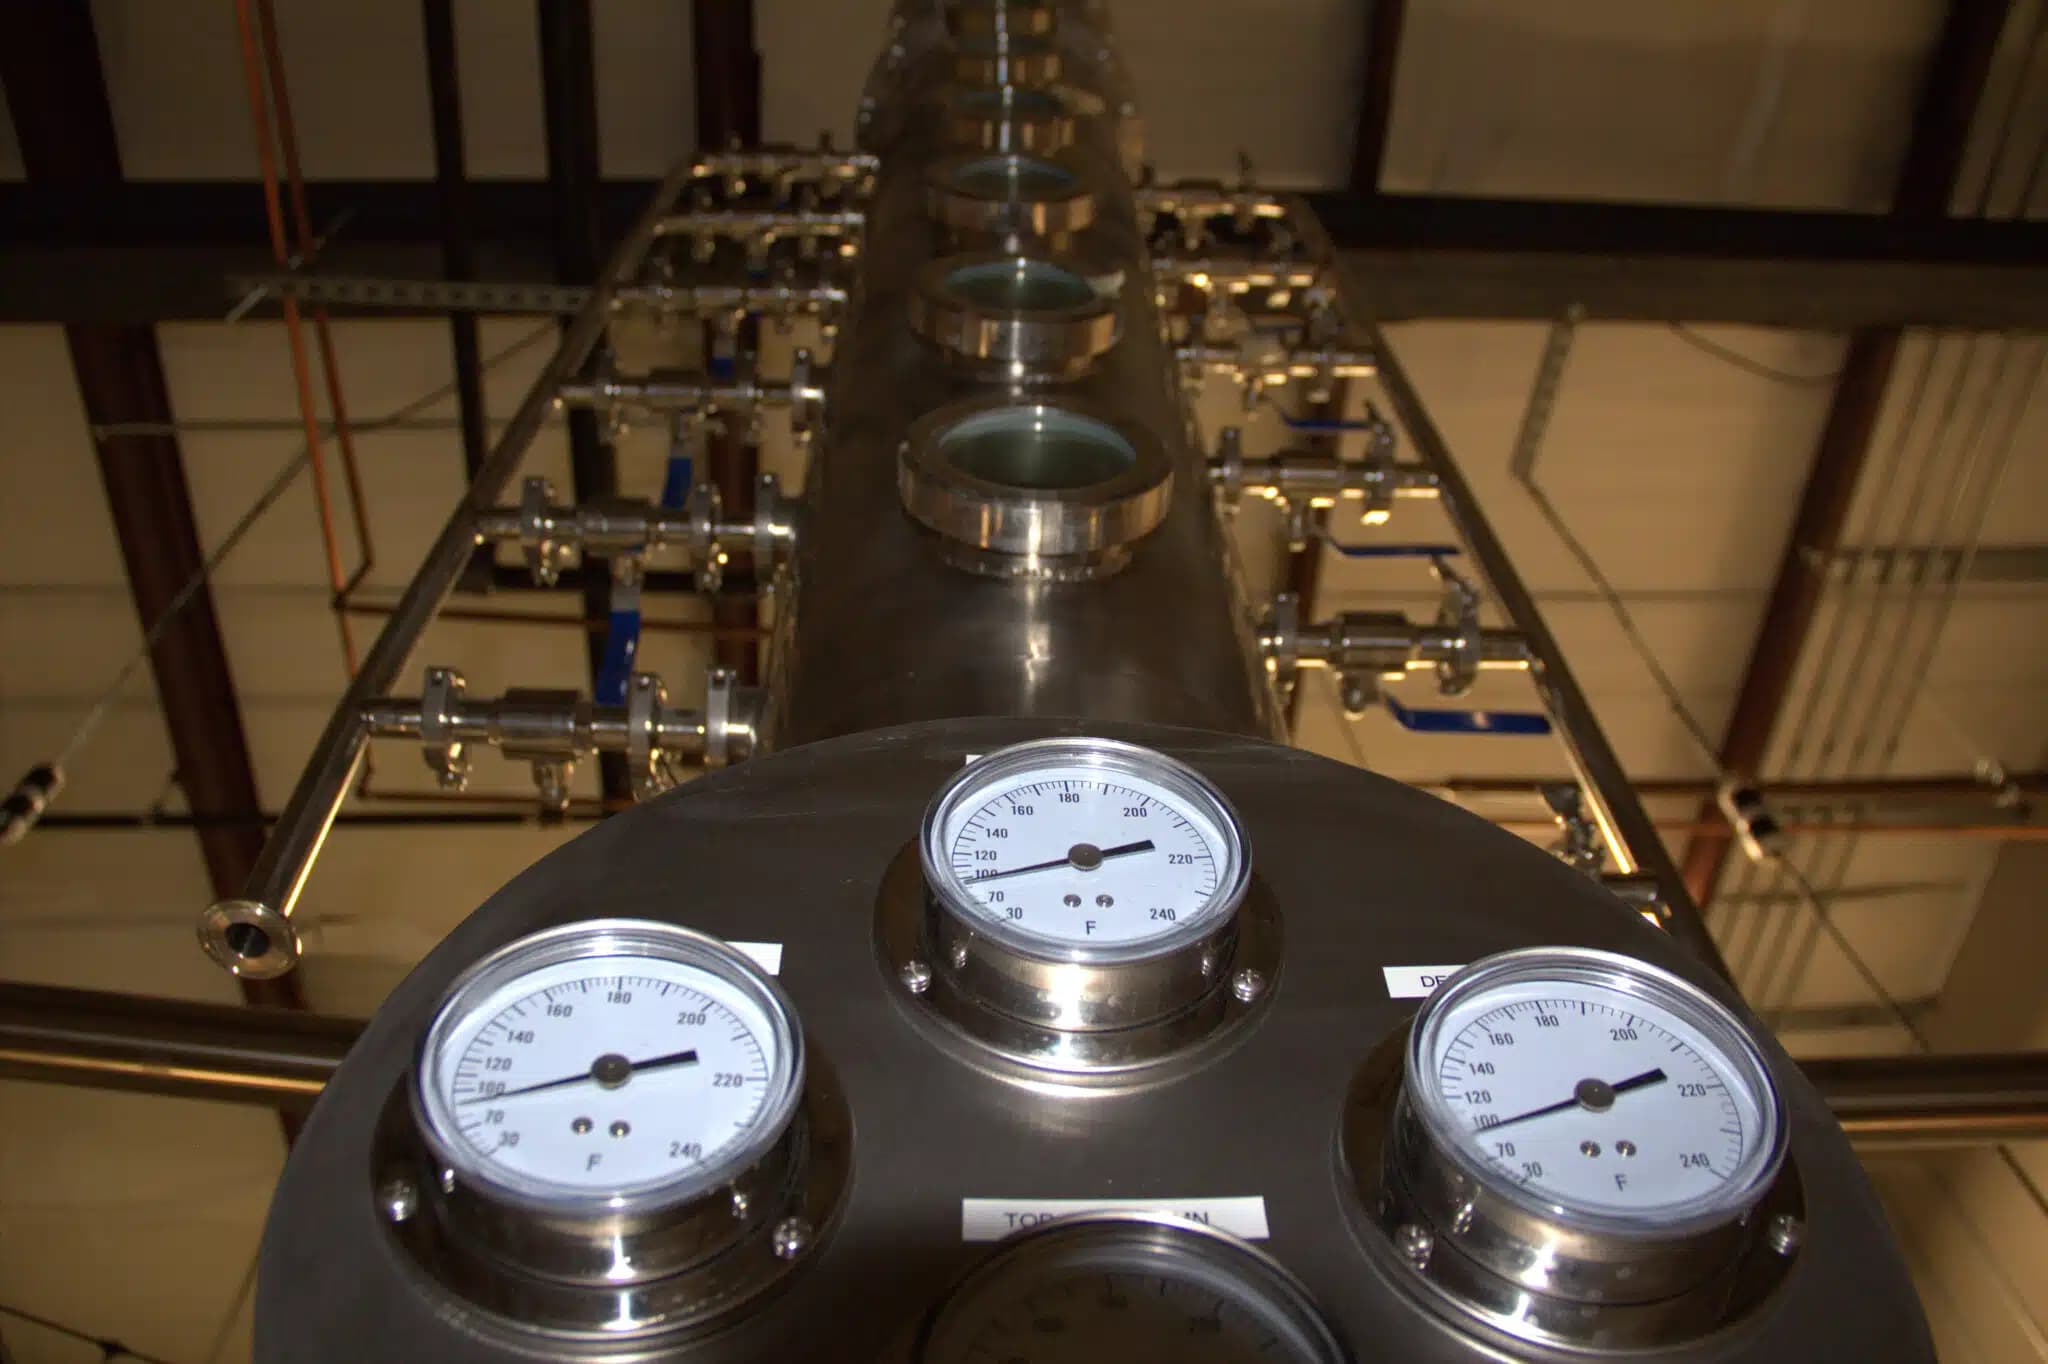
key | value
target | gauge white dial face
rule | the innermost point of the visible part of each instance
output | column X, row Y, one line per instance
column 1082, row 856
column 1597, row 1099
column 605, row 1073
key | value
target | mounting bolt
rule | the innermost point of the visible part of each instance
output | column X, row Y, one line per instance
column 792, row 1237
column 740, row 1204
column 1785, row 1234
column 1247, row 985
column 916, row 976
column 398, row 1198
column 957, row 954
column 1414, row 1243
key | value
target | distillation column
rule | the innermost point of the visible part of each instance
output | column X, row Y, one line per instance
column 1003, row 378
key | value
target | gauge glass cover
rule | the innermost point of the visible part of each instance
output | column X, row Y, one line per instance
column 608, row 1065
column 1594, row 1087
column 1126, row 1286
column 1085, row 850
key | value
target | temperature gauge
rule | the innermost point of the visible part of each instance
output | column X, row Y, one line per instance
column 1083, row 905
column 612, row 1132
column 609, row 1067
column 1086, row 850
column 1581, row 1127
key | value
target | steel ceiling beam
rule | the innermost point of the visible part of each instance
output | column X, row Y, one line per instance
column 163, row 250
column 1304, row 570
column 1376, row 94
column 569, row 110
column 726, row 68
column 1949, row 95
column 57, row 97
column 458, row 235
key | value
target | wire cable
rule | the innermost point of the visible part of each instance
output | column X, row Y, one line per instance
column 108, row 1347
column 1727, row 355
column 1627, row 621
column 1824, row 920
column 279, row 482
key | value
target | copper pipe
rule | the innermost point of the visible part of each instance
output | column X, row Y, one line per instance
column 308, row 255
column 266, row 155
column 1929, row 786
column 2013, row 832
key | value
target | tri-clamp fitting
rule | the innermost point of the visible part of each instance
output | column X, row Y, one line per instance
column 743, row 394
column 1262, row 362
column 555, row 537
column 1364, row 646
column 780, row 170
column 553, row 730
column 1302, row 481
column 1194, row 205
column 760, row 229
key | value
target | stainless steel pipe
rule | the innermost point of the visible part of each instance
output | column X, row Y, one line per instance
column 1932, row 1100
column 167, row 1046
column 253, row 935
column 263, row 1056
column 1625, row 828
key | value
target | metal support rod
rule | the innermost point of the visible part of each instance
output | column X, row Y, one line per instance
column 252, row 936
column 1971, row 1099
column 1631, row 839
column 272, row 1057
column 211, row 1051
column 57, row 97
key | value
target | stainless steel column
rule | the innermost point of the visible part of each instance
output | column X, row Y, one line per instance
column 880, row 631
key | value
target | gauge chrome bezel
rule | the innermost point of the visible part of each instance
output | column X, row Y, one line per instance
column 1147, row 1243
column 593, row 940
column 1628, row 976
column 1110, row 757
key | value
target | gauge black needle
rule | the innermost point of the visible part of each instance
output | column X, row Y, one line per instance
column 1074, row 859
column 608, row 1070
column 1590, row 1094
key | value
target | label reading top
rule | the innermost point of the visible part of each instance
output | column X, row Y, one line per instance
column 991, row 1219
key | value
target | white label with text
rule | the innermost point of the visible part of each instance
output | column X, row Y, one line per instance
column 766, row 955
column 991, row 1219
column 1416, row 982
